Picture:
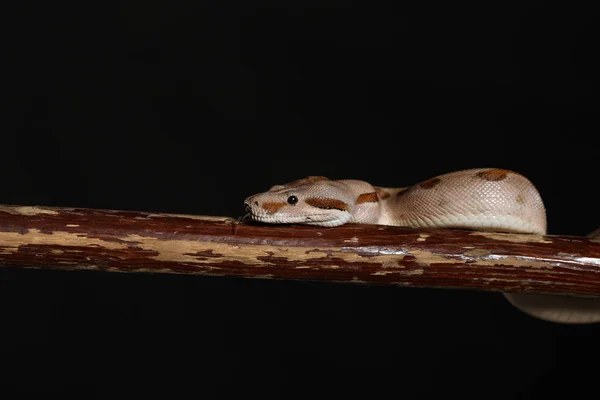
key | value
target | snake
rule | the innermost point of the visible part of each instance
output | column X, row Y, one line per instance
column 483, row 199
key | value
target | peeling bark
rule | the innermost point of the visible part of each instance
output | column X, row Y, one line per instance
column 126, row 241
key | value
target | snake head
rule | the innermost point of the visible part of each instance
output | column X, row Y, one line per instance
column 311, row 201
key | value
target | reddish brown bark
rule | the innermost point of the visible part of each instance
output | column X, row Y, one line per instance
column 124, row 241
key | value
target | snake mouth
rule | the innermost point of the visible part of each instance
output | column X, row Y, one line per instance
column 314, row 219
column 275, row 219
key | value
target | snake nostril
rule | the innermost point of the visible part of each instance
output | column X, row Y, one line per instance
column 256, row 203
column 247, row 207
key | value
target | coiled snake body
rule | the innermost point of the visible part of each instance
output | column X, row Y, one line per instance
column 482, row 199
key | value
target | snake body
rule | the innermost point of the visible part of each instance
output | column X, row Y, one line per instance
column 488, row 199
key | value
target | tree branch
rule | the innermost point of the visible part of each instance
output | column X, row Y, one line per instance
column 126, row 241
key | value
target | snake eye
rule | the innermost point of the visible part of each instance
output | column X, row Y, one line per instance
column 292, row 200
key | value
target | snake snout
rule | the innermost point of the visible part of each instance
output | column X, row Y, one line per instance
column 249, row 203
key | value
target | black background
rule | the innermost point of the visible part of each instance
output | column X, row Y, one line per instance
column 189, row 107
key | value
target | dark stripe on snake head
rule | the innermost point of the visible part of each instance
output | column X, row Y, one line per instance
column 271, row 207
column 327, row 203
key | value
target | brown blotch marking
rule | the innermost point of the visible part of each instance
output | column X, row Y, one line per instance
column 520, row 199
column 429, row 183
column 271, row 207
column 327, row 203
column 383, row 194
column 370, row 197
column 495, row 174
